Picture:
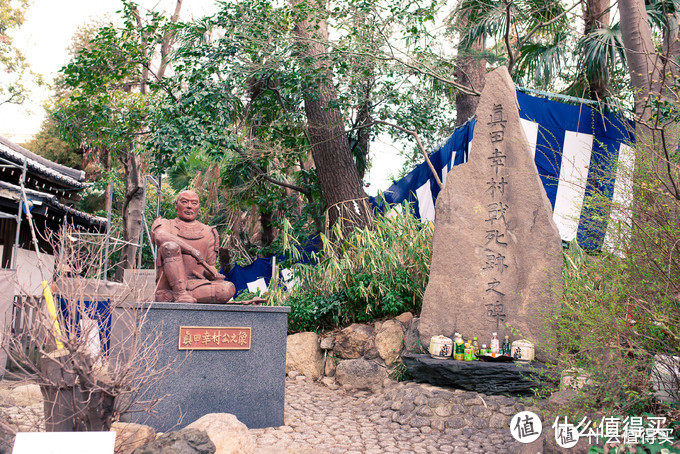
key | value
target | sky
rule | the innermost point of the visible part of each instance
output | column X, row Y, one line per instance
column 46, row 35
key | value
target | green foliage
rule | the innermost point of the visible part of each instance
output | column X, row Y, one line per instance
column 621, row 308
column 369, row 274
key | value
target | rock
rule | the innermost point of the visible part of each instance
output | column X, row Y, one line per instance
column 360, row 374
column 329, row 366
column 412, row 337
column 25, row 395
column 229, row 435
column 478, row 376
column 370, row 350
column 497, row 253
column 350, row 342
column 130, row 436
column 405, row 318
column 562, row 400
column 304, row 355
column 330, row 382
column 389, row 341
column 550, row 445
column 327, row 343
column 293, row 373
column 185, row 441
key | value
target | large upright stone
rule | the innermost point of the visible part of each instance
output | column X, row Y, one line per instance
column 497, row 254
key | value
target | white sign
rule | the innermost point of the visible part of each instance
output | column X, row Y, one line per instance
column 64, row 443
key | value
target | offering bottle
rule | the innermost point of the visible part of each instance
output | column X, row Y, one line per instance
column 458, row 347
column 468, row 355
column 495, row 345
column 484, row 351
column 475, row 348
column 505, row 349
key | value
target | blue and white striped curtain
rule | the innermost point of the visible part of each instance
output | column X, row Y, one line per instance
column 577, row 150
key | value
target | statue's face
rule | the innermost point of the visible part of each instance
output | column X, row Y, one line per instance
column 187, row 205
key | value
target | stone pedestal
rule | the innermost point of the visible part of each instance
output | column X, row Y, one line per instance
column 248, row 383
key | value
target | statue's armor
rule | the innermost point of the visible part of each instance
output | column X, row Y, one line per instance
column 189, row 274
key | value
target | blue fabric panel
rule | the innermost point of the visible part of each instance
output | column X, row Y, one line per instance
column 553, row 119
column 240, row 276
column 101, row 312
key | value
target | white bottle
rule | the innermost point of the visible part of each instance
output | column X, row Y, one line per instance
column 495, row 345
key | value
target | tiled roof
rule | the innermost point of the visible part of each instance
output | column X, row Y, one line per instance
column 51, row 170
column 13, row 192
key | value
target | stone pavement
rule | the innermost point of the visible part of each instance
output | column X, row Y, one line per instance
column 404, row 418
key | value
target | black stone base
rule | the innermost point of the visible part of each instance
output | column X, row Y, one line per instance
column 249, row 384
column 512, row 378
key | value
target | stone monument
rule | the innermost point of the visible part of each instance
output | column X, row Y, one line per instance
column 187, row 250
column 497, row 254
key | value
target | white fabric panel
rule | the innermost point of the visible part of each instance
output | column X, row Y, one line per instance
column 619, row 217
column 571, row 187
column 445, row 173
column 425, row 203
column 7, row 289
column 29, row 272
column 531, row 131
column 259, row 284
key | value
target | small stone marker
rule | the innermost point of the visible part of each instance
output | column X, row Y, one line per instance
column 497, row 254
column 64, row 443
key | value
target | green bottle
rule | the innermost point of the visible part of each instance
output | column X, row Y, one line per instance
column 475, row 348
column 505, row 349
column 468, row 355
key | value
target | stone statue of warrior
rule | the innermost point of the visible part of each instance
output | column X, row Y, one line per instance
column 185, row 263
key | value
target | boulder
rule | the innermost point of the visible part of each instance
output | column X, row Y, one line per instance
column 185, row 441
column 389, row 341
column 496, row 250
column 370, row 350
column 405, row 318
column 327, row 343
column 360, row 374
column 304, row 355
column 229, row 435
column 350, row 342
column 412, row 337
column 130, row 436
column 25, row 395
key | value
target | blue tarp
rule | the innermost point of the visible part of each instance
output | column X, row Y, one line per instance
column 564, row 136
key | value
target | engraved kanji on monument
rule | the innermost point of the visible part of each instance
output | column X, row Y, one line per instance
column 497, row 254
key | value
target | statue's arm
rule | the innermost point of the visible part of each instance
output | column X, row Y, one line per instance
column 211, row 256
column 160, row 234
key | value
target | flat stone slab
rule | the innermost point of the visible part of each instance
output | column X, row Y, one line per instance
column 479, row 376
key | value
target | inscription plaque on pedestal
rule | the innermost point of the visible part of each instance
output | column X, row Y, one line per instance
column 214, row 338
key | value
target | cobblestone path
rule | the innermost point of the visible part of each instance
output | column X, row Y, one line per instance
column 327, row 421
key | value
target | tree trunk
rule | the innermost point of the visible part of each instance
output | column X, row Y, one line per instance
column 343, row 194
column 656, row 197
column 132, row 211
column 470, row 72
column 596, row 16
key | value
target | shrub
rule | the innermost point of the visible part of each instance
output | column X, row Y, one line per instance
column 369, row 273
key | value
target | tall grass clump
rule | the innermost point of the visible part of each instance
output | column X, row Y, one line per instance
column 363, row 275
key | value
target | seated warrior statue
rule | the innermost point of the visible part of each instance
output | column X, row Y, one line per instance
column 185, row 264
